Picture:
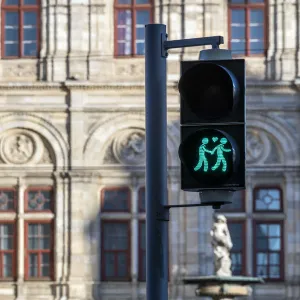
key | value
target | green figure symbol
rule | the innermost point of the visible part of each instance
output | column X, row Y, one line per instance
column 202, row 158
column 221, row 159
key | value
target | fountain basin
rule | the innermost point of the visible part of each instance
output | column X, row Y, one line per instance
column 223, row 287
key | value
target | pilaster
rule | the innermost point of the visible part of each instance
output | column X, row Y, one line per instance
column 21, row 241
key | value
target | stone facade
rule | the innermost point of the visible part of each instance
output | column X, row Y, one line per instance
column 74, row 131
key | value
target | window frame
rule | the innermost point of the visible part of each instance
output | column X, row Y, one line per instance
column 14, row 251
column 247, row 7
column 133, row 7
column 128, row 252
column 244, row 250
column 27, row 251
column 15, row 201
column 115, row 188
column 267, row 187
column 37, row 188
column 281, row 252
column 141, row 252
column 140, row 208
column 21, row 8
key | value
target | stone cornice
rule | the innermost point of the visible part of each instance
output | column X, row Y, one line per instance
column 139, row 86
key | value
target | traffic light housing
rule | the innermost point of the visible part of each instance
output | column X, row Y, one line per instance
column 212, row 114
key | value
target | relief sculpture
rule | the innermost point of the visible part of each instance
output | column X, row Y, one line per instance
column 18, row 149
column 129, row 147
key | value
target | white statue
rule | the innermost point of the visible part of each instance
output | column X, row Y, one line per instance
column 222, row 245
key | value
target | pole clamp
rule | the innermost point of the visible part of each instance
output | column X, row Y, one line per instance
column 163, row 213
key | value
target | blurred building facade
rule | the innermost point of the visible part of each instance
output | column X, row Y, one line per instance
column 72, row 147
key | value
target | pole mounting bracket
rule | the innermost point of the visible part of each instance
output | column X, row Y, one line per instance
column 214, row 41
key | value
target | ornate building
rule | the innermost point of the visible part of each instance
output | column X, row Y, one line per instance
column 72, row 210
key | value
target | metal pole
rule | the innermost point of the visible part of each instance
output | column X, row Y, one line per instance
column 156, row 164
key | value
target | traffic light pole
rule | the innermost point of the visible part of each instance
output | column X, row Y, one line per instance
column 157, row 208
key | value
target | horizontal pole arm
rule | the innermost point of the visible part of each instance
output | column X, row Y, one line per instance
column 214, row 41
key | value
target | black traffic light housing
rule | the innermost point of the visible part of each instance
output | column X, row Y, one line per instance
column 212, row 115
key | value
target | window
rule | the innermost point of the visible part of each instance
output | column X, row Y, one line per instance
column 123, row 233
column 116, row 199
column 142, row 200
column 39, row 200
column 39, row 238
column 247, row 27
column 267, row 199
column 39, row 249
column 131, row 16
column 142, row 251
column 20, row 28
column 116, row 250
column 268, row 250
column 38, row 233
column 7, row 250
column 116, row 246
column 237, row 205
column 263, row 243
column 142, row 234
column 237, row 233
column 8, row 234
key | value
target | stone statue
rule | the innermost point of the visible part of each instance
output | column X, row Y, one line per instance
column 222, row 245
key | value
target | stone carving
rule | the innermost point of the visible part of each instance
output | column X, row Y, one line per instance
column 129, row 146
column 258, row 146
column 18, row 148
column 46, row 158
column 131, row 70
column 222, row 244
column 20, row 70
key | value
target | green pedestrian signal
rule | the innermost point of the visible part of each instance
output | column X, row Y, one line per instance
column 209, row 155
column 220, row 156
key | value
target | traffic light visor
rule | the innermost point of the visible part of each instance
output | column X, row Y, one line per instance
column 210, row 90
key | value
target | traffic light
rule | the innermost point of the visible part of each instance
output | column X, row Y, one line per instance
column 212, row 113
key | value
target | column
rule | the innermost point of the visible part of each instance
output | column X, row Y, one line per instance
column 134, row 238
column 79, row 39
column 61, row 35
column 21, row 242
column 82, row 267
column 298, row 38
column 290, row 36
column 275, row 39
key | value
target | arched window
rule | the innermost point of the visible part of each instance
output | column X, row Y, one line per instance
column 20, row 28
column 131, row 16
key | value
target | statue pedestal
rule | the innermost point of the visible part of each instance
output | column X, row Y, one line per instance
column 223, row 288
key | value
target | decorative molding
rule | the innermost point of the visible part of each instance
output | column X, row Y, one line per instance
column 269, row 86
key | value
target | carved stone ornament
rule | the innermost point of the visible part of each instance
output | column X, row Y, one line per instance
column 21, row 147
column 129, row 146
column 258, row 146
column 20, row 70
